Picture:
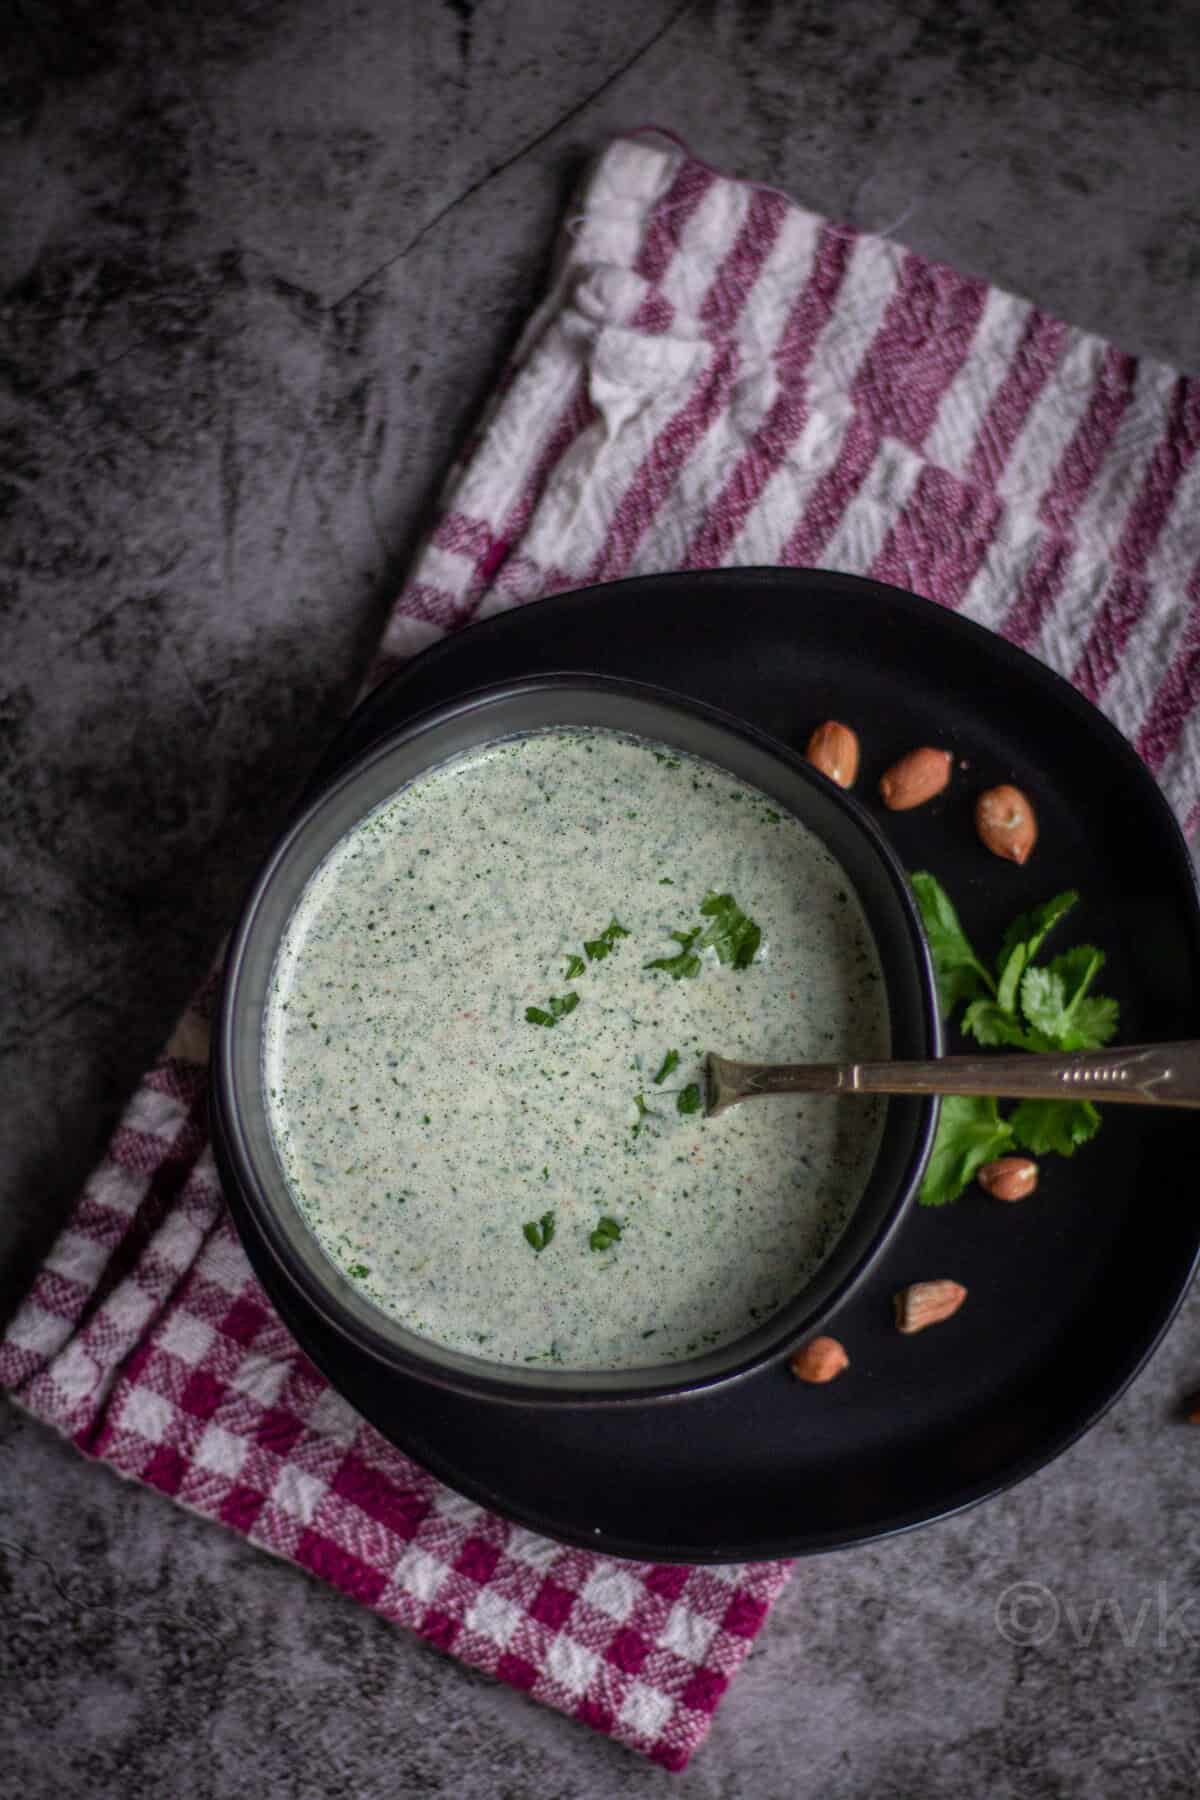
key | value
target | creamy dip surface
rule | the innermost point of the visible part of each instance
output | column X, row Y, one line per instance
column 532, row 1191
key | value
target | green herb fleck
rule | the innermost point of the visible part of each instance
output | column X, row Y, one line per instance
column 606, row 1234
column 733, row 936
column 685, row 962
column 670, row 1061
column 689, row 1100
column 359, row 1271
column 575, row 967
column 538, row 1232
column 599, row 947
column 560, row 1006
column 644, row 1112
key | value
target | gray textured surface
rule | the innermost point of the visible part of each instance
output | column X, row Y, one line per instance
column 259, row 261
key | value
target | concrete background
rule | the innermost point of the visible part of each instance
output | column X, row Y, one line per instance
column 259, row 262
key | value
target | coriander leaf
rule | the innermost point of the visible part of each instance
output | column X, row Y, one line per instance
column 670, row 1061
column 689, row 1100
column 970, row 1132
column 1032, row 927
column 560, row 1006
column 1010, row 975
column 539, row 1232
column 644, row 1112
column 988, row 1024
column 685, row 963
column 606, row 1234
column 1083, row 1021
column 1042, row 1125
column 599, row 947
column 1023, row 940
column 1054, row 999
column 359, row 1270
column 960, row 974
column 733, row 936
column 1093, row 1024
column 1044, row 1001
column 575, row 967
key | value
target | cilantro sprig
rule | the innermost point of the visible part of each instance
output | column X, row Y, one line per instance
column 1022, row 1004
column 733, row 936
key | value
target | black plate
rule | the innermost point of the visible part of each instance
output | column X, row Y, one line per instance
column 1069, row 1291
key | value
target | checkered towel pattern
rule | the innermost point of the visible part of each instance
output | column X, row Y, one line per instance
column 716, row 377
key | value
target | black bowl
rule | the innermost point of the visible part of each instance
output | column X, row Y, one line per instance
column 242, row 1140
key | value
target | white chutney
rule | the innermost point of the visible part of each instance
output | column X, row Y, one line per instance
column 526, row 1191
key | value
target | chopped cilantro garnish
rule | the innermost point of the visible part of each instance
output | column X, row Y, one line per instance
column 575, row 967
column 733, row 936
column 599, row 947
column 359, row 1271
column 560, row 1006
column 685, row 962
column 644, row 1112
column 606, row 1234
column 689, row 1100
column 670, row 1061
column 538, row 1232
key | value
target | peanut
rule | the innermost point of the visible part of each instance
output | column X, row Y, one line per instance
column 1009, row 1177
column 819, row 1361
column 833, row 749
column 915, row 779
column 927, row 1303
column 1006, row 824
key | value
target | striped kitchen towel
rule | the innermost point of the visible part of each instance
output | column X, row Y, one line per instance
column 716, row 377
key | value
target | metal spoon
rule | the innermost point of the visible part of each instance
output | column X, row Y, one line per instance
column 1139, row 1074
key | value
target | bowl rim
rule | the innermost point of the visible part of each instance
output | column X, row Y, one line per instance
column 338, row 1303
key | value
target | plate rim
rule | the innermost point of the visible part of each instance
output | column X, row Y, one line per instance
column 1026, row 667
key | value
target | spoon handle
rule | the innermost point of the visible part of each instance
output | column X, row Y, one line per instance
column 1139, row 1074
